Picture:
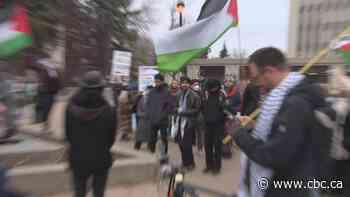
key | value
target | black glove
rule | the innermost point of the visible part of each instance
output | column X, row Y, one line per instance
column 240, row 130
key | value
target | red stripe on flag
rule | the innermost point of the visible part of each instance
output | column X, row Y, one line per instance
column 233, row 9
column 20, row 19
column 345, row 47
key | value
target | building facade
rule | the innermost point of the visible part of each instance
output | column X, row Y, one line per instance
column 313, row 24
column 237, row 68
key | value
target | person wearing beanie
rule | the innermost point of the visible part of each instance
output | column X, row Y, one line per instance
column 158, row 108
column 90, row 129
column 215, row 110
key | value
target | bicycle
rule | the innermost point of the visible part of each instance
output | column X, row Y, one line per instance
column 177, row 186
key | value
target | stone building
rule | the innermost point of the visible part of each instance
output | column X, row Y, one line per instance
column 313, row 24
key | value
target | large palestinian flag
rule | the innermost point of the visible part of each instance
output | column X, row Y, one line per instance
column 14, row 29
column 176, row 48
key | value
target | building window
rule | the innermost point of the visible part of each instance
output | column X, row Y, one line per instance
column 301, row 10
column 309, row 9
column 338, row 5
column 318, row 7
column 301, row 28
column 299, row 46
column 328, row 6
column 307, row 46
column 325, row 26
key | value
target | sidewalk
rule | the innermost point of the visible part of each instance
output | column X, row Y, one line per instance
column 226, row 182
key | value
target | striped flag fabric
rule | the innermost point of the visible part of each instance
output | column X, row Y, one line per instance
column 15, row 31
column 342, row 47
column 176, row 48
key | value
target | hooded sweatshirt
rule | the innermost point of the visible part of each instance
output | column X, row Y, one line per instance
column 90, row 131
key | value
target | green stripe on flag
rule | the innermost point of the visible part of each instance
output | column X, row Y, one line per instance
column 345, row 55
column 174, row 61
column 14, row 45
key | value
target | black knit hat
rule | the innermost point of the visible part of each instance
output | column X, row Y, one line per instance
column 92, row 79
column 185, row 79
column 213, row 83
column 159, row 77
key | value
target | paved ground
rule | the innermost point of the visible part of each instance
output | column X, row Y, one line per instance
column 226, row 182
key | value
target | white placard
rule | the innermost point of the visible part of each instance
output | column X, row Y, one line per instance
column 121, row 65
column 146, row 76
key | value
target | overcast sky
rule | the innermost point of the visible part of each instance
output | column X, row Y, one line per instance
column 262, row 23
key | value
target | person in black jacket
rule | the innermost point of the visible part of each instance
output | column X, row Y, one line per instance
column 215, row 110
column 158, row 109
column 90, row 131
column 282, row 145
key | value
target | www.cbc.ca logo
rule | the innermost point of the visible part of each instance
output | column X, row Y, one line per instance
column 263, row 183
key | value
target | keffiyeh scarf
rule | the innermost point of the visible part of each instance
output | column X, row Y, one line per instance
column 270, row 107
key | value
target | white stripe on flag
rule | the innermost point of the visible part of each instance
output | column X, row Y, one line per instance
column 195, row 36
column 7, row 32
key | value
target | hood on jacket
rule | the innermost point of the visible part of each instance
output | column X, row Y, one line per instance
column 311, row 92
column 88, row 105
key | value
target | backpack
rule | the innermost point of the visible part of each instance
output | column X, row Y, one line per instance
column 333, row 119
column 333, row 150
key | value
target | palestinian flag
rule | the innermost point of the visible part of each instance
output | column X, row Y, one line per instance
column 176, row 48
column 342, row 47
column 14, row 29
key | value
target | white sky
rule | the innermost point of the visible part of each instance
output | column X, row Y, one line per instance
column 262, row 23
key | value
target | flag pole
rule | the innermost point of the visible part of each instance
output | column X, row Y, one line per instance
column 304, row 69
column 239, row 44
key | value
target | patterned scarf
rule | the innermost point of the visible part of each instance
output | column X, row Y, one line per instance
column 181, row 121
column 271, row 106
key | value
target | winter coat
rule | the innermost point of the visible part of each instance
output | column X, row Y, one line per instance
column 290, row 149
column 159, row 106
column 90, row 131
column 193, row 107
column 234, row 100
column 143, row 129
column 215, row 108
column 251, row 99
column 8, row 99
column 173, row 100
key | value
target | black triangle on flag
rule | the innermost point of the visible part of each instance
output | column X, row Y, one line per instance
column 211, row 7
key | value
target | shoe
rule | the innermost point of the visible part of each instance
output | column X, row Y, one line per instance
column 207, row 170
column 190, row 168
column 216, row 171
column 164, row 160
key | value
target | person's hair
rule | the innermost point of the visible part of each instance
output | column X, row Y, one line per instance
column 269, row 56
column 159, row 77
column 185, row 79
column 195, row 81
